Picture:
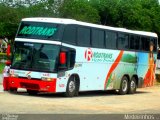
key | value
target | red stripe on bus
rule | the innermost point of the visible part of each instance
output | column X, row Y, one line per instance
column 114, row 65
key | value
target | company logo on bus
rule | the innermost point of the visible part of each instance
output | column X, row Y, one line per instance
column 88, row 54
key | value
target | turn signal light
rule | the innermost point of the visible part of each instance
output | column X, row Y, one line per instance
column 48, row 79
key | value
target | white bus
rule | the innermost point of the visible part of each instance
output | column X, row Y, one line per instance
column 68, row 56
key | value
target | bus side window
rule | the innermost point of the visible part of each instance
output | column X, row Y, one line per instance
column 145, row 41
column 72, row 57
column 97, row 38
column 137, row 42
column 83, row 36
column 154, row 40
column 123, row 42
column 111, row 40
column 134, row 42
column 69, row 35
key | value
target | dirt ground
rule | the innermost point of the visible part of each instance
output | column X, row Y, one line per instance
column 146, row 100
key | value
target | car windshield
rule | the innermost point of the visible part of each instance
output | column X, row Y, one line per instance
column 35, row 57
column 40, row 30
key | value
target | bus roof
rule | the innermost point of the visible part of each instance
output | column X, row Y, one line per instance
column 72, row 21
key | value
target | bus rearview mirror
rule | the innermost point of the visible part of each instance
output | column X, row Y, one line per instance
column 62, row 58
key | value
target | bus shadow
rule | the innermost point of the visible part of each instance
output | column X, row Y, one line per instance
column 105, row 93
column 108, row 93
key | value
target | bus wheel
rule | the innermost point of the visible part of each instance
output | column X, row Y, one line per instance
column 124, row 86
column 32, row 92
column 132, row 86
column 13, row 89
column 72, row 87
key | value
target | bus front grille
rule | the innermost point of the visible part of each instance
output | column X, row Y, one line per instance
column 29, row 85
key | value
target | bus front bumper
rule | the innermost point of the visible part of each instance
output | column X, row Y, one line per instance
column 30, row 84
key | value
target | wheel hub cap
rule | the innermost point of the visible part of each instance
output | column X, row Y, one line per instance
column 71, row 86
column 124, row 85
column 133, row 85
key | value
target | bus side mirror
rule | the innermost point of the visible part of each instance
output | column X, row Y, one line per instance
column 8, row 51
column 8, row 63
column 62, row 58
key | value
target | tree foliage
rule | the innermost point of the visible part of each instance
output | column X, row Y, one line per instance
column 8, row 21
column 79, row 10
column 131, row 14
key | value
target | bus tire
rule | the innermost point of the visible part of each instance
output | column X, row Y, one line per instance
column 124, row 86
column 72, row 87
column 132, row 86
column 32, row 92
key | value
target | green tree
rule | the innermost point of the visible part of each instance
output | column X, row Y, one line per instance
column 11, row 16
column 131, row 14
column 79, row 10
column 8, row 21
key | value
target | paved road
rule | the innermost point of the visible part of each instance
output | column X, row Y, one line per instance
column 146, row 100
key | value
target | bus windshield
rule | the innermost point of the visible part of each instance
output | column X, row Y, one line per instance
column 39, row 30
column 35, row 56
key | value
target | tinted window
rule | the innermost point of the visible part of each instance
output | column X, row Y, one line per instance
column 137, row 42
column 134, row 42
column 35, row 56
column 69, row 35
column 40, row 30
column 98, row 38
column 71, row 58
column 83, row 36
column 111, row 39
column 123, row 41
column 145, row 41
column 154, row 41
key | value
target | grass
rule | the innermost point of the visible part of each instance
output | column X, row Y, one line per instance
column 2, row 65
column 2, row 53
